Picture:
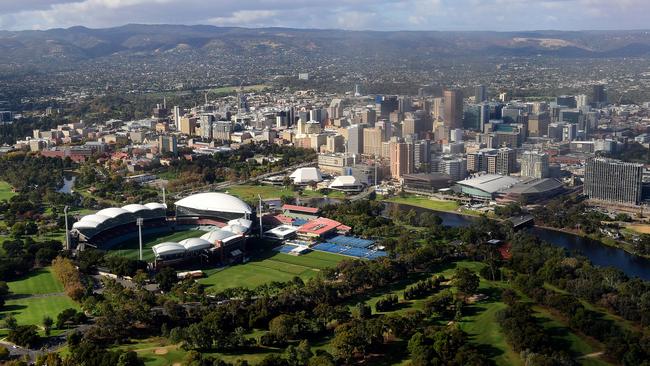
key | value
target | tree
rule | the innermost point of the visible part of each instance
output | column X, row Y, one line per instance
column 166, row 278
column 47, row 325
column 10, row 322
column 24, row 335
column 129, row 358
column 466, row 280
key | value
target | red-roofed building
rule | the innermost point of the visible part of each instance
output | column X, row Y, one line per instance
column 318, row 228
column 301, row 212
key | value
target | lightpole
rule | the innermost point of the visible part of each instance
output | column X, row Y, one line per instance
column 260, row 217
column 67, row 233
column 139, row 223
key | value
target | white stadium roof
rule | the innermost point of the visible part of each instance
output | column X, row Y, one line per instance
column 93, row 221
column 168, row 248
column 217, row 202
column 306, row 175
column 195, row 244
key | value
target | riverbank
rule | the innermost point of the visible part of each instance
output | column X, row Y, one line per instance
column 627, row 247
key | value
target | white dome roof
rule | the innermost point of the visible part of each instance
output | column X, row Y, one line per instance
column 134, row 207
column 168, row 248
column 195, row 244
column 217, row 202
column 216, row 235
column 112, row 212
column 155, row 205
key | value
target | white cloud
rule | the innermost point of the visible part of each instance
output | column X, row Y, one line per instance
column 348, row 14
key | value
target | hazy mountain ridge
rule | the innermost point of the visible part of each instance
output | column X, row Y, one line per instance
column 80, row 43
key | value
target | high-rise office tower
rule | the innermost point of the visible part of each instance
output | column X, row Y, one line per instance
column 538, row 124
column 177, row 117
column 582, row 101
column 598, row 94
column 506, row 161
column 372, row 140
column 566, row 101
column 335, row 109
column 369, row 117
column 355, row 139
column 401, row 159
column 613, row 181
column 534, row 164
column 438, row 109
column 206, row 122
column 480, row 94
column 167, row 143
column 453, row 109
column 188, row 125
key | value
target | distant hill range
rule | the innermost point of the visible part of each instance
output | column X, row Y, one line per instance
column 81, row 44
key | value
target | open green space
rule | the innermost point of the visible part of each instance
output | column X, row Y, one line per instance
column 250, row 192
column 32, row 310
column 6, row 191
column 35, row 296
column 479, row 320
column 131, row 248
column 425, row 202
column 37, row 282
column 268, row 268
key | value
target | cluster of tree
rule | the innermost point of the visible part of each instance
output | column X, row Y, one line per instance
column 235, row 165
column 423, row 288
column 287, row 327
column 84, row 351
column 70, row 317
column 387, row 303
column 538, row 262
column 444, row 346
column 570, row 213
column 509, row 210
column 524, row 333
column 66, row 272
column 29, row 172
column 445, row 305
column 110, row 186
column 10, row 133
column 22, row 255
column 641, row 246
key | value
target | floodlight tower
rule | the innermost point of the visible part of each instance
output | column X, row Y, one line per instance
column 67, row 233
column 260, row 216
column 138, row 222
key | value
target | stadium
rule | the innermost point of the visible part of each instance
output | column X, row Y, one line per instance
column 226, row 220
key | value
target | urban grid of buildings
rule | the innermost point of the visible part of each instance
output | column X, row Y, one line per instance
column 483, row 147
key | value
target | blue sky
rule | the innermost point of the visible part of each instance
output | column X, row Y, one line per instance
column 500, row 15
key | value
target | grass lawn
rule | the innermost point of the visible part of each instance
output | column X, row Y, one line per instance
column 425, row 202
column 32, row 310
column 273, row 267
column 5, row 191
column 250, row 192
column 40, row 281
column 130, row 248
column 35, row 296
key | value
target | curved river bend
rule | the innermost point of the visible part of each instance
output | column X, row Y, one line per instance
column 598, row 253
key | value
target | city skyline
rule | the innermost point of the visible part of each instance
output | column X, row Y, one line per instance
column 412, row 15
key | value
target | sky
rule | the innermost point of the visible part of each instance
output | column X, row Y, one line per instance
column 498, row 15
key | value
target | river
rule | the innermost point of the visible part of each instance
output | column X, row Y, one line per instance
column 598, row 253
column 68, row 184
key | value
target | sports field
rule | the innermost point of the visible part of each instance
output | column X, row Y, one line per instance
column 35, row 296
column 5, row 191
column 639, row 228
column 130, row 249
column 273, row 267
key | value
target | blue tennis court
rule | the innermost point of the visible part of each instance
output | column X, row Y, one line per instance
column 351, row 241
column 349, row 251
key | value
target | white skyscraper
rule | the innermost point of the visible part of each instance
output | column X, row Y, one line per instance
column 177, row 118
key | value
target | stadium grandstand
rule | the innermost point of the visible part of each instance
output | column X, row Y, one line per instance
column 226, row 219
column 102, row 228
